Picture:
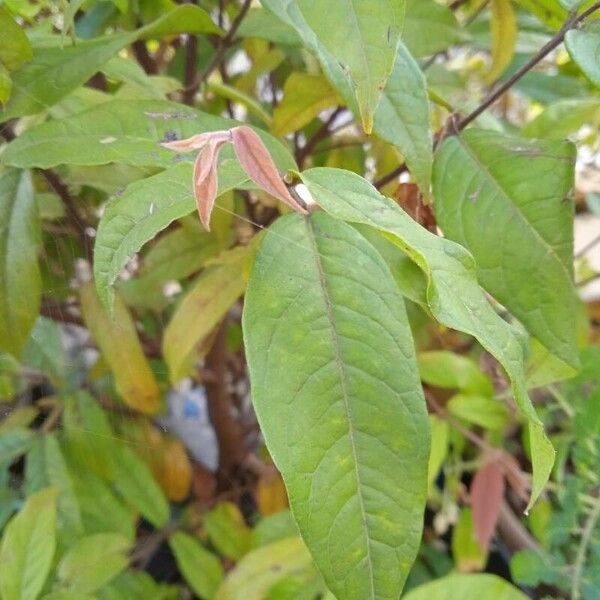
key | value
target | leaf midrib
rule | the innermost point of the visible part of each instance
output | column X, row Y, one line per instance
column 340, row 366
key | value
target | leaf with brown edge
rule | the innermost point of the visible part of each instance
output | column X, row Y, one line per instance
column 487, row 492
column 258, row 164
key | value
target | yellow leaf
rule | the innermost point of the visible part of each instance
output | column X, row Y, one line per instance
column 202, row 308
column 504, row 36
column 304, row 97
column 271, row 493
column 120, row 346
column 176, row 473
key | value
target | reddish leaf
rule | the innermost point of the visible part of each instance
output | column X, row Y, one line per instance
column 487, row 493
column 258, row 164
column 197, row 141
column 205, row 179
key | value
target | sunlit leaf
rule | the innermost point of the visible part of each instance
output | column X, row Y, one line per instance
column 504, row 36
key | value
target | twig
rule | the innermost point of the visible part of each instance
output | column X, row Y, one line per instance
column 224, row 44
column 586, row 539
column 143, row 57
column 56, row 183
column 571, row 22
column 228, row 430
column 319, row 135
column 588, row 247
column 191, row 65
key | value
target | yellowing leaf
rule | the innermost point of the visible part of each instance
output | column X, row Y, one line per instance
column 199, row 312
column 304, row 97
column 120, row 347
column 504, row 37
column 227, row 530
column 271, row 492
column 259, row 570
column 177, row 473
column 467, row 553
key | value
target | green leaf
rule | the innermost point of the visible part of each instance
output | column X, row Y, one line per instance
column 137, row 585
column 564, row 118
column 430, row 28
column 402, row 117
column 15, row 49
column 57, row 474
column 101, row 510
column 202, row 570
column 5, row 84
column 199, row 312
column 584, row 47
column 122, row 131
column 360, row 35
column 450, row 370
column 28, row 547
column 227, row 530
column 505, row 199
column 322, row 318
column 466, row 551
column 67, row 596
column 261, row 23
column 402, row 112
column 479, row 410
column 467, row 587
column 548, row 11
column 143, row 210
column 453, row 295
column 439, row 447
column 55, row 71
column 44, row 350
column 304, row 97
column 136, row 484
column 20, row 281
column 185, row 18
column 14, row 443
column 261, row 569
column 92, row 562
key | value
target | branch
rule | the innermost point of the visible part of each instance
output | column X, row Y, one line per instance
column 573, row 21
column 319, row 135
column 224, row 44
column 56, row 183
column 229, row 433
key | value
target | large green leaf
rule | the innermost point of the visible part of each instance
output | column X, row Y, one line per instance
column 28, row 547
column 202, row 570
column 505, row 199
column 20, row 282
column 323, row 320
column 121, row 131
column 453, row 295
column 361, row 35
column 467, row 587
column 145, row 208
column 402, row 113
column 584, row 47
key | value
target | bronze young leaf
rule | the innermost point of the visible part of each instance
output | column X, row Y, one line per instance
column 254, row 159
